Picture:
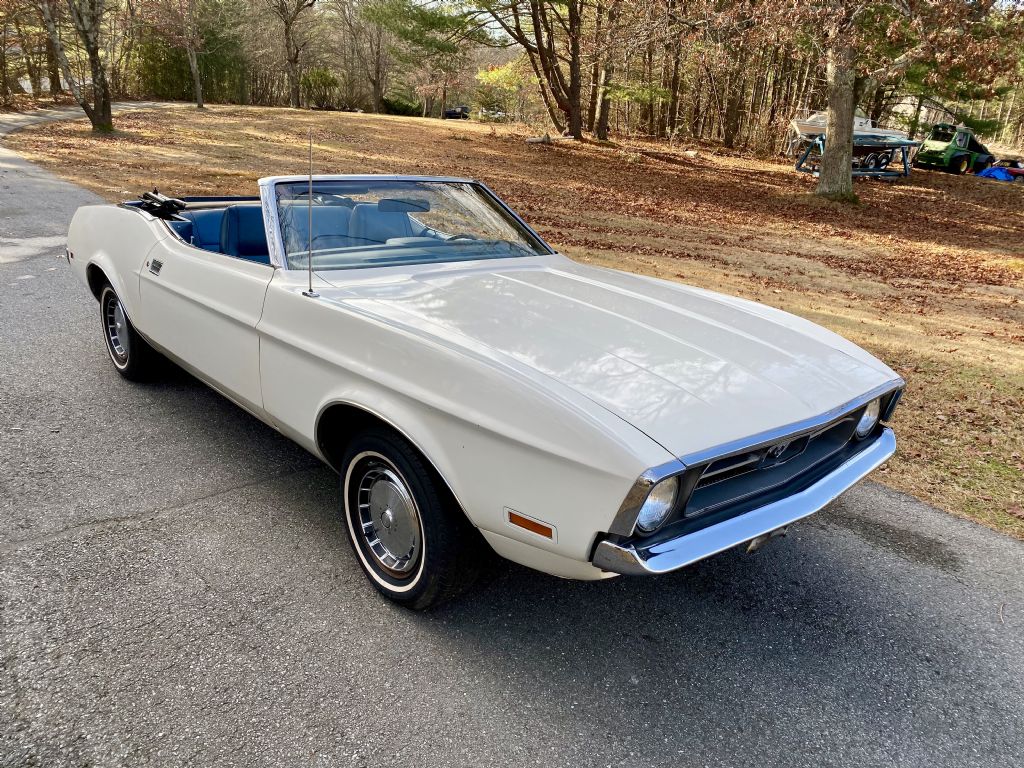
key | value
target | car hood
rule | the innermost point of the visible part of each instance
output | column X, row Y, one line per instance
column 690, row 368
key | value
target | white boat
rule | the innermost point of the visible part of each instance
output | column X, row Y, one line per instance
column 814, row 125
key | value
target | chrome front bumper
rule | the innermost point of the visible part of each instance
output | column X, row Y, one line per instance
column 665, row 556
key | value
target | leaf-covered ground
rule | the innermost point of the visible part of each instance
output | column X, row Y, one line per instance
column 927, row 273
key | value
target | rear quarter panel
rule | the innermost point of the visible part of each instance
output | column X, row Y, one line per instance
column 117, row 240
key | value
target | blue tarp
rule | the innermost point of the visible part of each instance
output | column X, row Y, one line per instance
column 999, row 174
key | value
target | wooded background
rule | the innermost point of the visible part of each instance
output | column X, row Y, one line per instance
column 728, row 71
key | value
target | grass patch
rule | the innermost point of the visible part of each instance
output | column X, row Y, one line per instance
column 925, row 272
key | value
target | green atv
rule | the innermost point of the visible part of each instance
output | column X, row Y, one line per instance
column 953, row 148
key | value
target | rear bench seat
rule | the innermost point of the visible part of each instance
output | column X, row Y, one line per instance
column 202, row 228
column 236, row 230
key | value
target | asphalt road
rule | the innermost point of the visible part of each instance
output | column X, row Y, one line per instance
column 176, row 590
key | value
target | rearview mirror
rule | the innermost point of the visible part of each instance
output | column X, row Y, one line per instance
column 403, row 205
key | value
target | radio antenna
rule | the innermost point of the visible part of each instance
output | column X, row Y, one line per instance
column 309, row 253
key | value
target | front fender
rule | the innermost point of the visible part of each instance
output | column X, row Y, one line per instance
column 497, row 443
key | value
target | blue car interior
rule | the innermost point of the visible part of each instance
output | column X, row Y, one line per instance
column 238, row 230
column 371, row 224
column 202, row 228
column 242, row 233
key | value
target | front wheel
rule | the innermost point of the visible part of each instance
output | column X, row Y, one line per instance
column 960, row 165
column 130, row 353
column 411, row 539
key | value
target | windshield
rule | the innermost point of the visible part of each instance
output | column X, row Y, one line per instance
column 941, row 133
column 387, row 222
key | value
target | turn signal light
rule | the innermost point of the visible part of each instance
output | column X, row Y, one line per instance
column 531, row 525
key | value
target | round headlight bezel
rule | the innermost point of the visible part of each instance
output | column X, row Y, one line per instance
column 869, row 419
column 658, row 505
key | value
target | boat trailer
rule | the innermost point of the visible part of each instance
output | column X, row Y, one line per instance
column 874, row 155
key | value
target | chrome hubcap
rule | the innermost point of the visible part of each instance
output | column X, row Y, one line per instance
column 117, row 328
column 389, row 520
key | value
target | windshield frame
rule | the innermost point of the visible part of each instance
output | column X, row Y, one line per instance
column 275, row 241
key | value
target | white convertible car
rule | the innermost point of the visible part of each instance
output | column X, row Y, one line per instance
column 476, row 390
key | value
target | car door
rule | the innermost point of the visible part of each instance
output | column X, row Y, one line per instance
column 202, row 307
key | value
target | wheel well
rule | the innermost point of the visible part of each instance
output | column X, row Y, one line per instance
column 338, row 424
column 96, row 279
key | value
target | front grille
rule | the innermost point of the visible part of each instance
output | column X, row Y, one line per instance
column 731, row 480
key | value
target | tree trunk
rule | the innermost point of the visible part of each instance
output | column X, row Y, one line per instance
column 545, row 91
column 5, row 91
column 605, row 103
column 377, row 76
column 836, row 178
column 575, row 94
column 596, row 70
column 647, row 114
column 102, row 118
column 377, row 95
column 53, row 68
column 197, row 80
column 917, row 118
column 673, row 89
column 736, row 94
column 28, row 55
column 291, row 66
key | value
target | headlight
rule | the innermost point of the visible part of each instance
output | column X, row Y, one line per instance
column 868, row 419
column 658, row 505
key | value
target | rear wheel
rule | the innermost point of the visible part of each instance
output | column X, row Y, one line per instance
column 411, row 539
column 131, row 355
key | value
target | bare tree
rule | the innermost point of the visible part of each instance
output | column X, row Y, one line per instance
column 7, row 11
column 551, row 32
column 181, row 24
column 86, row 18
column 291, row 12
column 372, row 45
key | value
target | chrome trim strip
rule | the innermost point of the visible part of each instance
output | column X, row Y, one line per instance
column 624, row 523
column 685, row 550
column 272, row 180
column 754, row 458
column 790, row 430
column 487, row 190
column 275, row 245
